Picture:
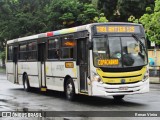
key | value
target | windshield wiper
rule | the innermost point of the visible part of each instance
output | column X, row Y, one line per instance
column 138, row 40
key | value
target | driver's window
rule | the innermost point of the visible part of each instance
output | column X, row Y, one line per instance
column 100, row 48
column 99, row 45
column 115, row 47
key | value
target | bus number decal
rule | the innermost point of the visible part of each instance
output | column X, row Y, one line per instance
column 101, row 29
column 60, row 67
column 69, row 64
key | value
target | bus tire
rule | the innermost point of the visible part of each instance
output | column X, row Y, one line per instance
column 70, row 89
column 26, row 85
column 118, row 97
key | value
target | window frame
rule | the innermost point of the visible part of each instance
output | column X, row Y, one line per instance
column 22, row 43
column 74, row 48
column 8, row 53
column 27, row 50
column 36, row 51
column 51, row 49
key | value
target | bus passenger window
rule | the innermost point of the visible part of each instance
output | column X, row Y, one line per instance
column 53, row 48
column 68, row 45
column 32, row 51
column 67, row 53
column 23, row 52
column 10, row 53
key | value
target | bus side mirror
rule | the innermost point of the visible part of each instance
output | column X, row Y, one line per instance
column 90, row 45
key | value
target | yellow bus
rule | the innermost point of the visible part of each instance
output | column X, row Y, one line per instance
column 98, row 59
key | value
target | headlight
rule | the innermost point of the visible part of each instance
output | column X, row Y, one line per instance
column 146, row 76
column 96, row 77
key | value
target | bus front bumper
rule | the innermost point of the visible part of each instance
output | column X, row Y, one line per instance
column 101, row 89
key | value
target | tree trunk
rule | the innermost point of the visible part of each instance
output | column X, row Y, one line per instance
column 3, row 63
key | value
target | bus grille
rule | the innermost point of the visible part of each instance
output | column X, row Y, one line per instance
column 123, row 76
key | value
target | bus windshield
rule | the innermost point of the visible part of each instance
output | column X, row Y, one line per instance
column 119, row 52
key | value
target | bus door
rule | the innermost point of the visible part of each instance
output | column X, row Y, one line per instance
column 15, row 66
column 82, row 59
column 41, row 65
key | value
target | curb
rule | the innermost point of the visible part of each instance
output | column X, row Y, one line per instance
column 154, row 80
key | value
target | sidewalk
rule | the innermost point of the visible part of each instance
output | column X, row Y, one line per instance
column 154, row 80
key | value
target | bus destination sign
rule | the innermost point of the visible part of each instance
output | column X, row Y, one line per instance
column 108, row 62
column 117, row 29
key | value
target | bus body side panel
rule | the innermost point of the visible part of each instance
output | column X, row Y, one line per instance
column 56, row 73
column 31, row 69
column 10, row 71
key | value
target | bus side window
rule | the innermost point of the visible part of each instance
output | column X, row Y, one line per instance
column 10, row 53
column 68, row 47
column 53, row 48
column 23, row 52
column 32, row 51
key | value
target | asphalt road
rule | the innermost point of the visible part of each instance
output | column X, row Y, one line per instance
column 14, row 98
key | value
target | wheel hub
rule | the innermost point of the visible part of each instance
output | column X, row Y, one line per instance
column 69, row 89
column 25, row 84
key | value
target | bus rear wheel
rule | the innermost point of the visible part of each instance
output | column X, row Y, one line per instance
column 26, row 83
column 70, row 89
column 118, row 97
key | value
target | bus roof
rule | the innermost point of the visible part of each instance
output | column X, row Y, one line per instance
column 66, row 31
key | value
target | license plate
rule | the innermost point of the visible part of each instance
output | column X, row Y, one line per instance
column 123, row 88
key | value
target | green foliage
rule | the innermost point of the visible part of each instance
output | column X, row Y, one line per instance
column 100, row 19
column 88, row 14
column 127, row 8
column 95, row 2
column 151, row 22
column 121, row 10
column 133, row 19
column 157, row 6
column 108, row 7
column 19, row 18
column 2, row 55
column 62, row 14
column 149, row 10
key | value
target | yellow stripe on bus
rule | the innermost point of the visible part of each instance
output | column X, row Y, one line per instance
column 128, row 77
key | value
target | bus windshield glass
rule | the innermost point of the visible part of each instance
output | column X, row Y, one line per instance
column 119, row 52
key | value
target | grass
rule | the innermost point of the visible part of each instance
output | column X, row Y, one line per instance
column 2, row 70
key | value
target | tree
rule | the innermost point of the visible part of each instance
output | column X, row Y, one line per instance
column 5, row 16
column 20, row 18
column 120, row 10
column 108, row 7
column 2, row 57
column 100, row 19
column 63, row 14
column 151, row 22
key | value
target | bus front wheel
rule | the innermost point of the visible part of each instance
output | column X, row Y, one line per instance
column 70, row 89
column 118, row 97
column 26, row 83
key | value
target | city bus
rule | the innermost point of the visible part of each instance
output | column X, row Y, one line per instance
column 98, row 59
